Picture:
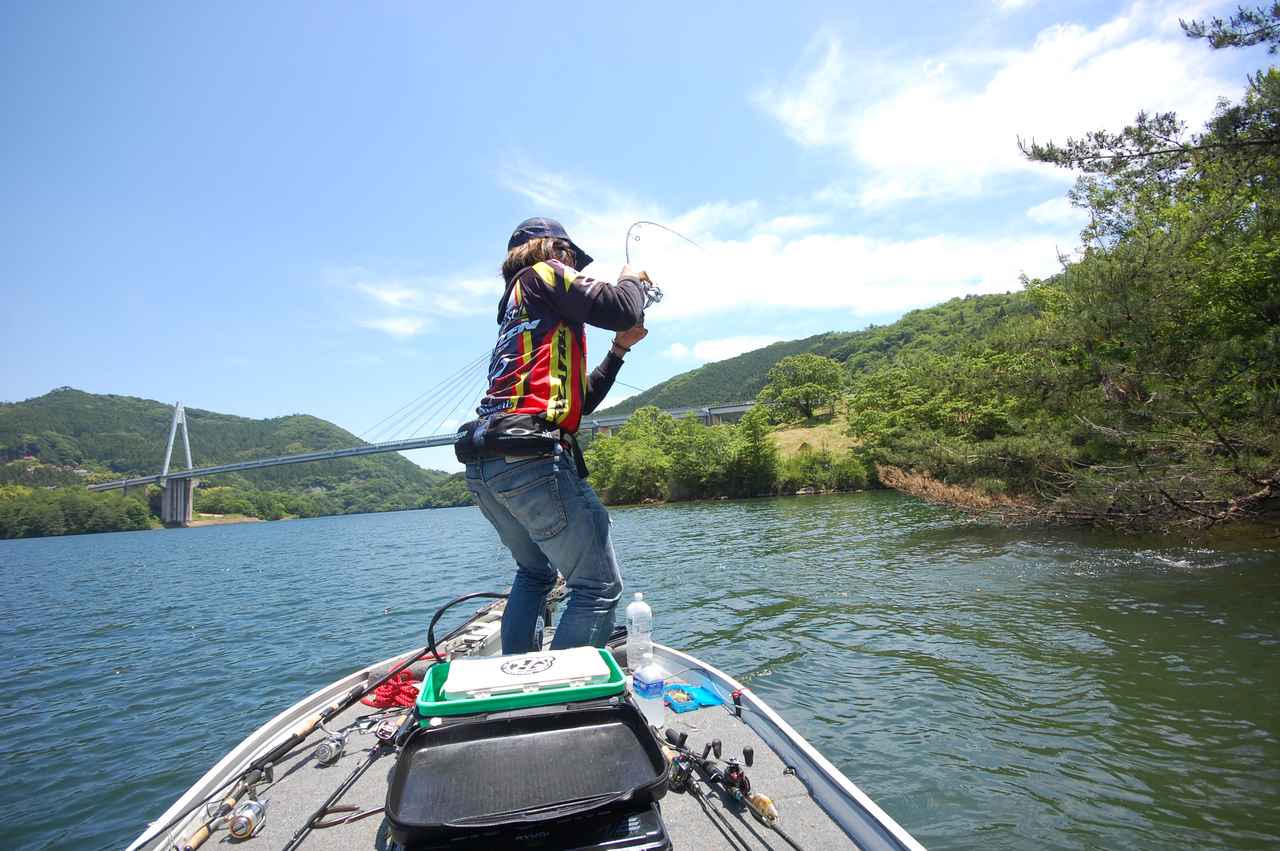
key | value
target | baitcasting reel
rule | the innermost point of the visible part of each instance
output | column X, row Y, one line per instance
column 387, row 730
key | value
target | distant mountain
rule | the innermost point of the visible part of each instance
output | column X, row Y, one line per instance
column 943, row 328
column 108, row 436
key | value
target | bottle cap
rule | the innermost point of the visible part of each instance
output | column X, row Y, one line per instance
column 639, row 595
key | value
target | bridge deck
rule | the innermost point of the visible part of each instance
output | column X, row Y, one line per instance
column 322, row 455
column 375, row 448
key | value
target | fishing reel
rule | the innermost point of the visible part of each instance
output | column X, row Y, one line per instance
column 330, row 748
column 735, row 779
column 388, row 730
column 247, row 819
column 652, row 292
column 681, row 773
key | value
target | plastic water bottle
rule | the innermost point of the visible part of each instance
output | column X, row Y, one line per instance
column 646, row 685
column 639, row 631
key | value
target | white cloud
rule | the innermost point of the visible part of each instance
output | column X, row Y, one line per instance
column 402, row 326
column 1014, row 5
column 807, row 106
column 861, row 274
column 766, row 270
column 676, row 351
column 794, row 224
column 482, row 286
column 417, row 301
column 948, row 125
column 391, row 293
column 1057, row 211
column 454, row 306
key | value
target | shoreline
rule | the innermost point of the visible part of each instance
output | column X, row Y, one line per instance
column 222, row 520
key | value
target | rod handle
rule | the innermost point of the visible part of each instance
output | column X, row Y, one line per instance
column 196, row 839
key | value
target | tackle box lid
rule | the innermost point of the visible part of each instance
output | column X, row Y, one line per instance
column 490, row 676
column 465, row 686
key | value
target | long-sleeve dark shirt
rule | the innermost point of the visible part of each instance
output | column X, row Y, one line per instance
column 539, row 364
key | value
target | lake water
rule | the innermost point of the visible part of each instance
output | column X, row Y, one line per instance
column 989, row 688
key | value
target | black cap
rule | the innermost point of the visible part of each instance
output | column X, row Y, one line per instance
column 539, row 228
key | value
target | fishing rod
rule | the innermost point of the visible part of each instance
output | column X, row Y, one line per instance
column 636, row 238
column 388, row 734
column 732, row 779
column 652, row 292
column 261, row 767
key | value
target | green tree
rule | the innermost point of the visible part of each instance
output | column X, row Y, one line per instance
column 1165, row 332
column 633, row 465
column 801, row 384
column 1245, row 28
column 702, row 459
column 755, row 455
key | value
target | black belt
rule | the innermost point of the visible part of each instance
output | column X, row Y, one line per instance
column 515, row 437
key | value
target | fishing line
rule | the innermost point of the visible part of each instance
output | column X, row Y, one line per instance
column 632, row 386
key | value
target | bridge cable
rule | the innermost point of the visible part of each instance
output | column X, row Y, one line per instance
column 459, row 394
column 427, row 401
column 449, row 415
column 445, row 399
column 448, row 407
column 396, row 421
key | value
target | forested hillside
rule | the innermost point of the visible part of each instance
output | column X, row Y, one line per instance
column 942, row 329
column 1138, row 389
column 69, row 438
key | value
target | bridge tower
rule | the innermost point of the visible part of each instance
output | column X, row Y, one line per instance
column 179, row 491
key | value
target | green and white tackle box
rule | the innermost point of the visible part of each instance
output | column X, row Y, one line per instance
column 468, row 686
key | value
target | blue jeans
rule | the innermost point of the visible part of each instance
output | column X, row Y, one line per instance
column 550, row 520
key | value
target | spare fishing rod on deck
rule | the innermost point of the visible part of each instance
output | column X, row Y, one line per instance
column 260, row 768
column 732, row 780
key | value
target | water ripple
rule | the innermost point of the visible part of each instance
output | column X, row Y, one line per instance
column 989, row 688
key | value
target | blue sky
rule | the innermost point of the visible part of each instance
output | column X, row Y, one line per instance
column 265, row 209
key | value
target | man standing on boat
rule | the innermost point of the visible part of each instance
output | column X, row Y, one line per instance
column 523, row 462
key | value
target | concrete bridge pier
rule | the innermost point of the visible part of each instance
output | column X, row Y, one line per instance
column 176, row 500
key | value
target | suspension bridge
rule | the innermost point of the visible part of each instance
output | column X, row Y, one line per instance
column 178, row 486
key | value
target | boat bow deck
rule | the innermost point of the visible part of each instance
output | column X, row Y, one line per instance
column 819, row 807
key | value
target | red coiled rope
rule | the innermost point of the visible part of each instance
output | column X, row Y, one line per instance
column 400, row 690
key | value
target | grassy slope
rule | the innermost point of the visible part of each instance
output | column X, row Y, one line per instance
column 831, row 436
